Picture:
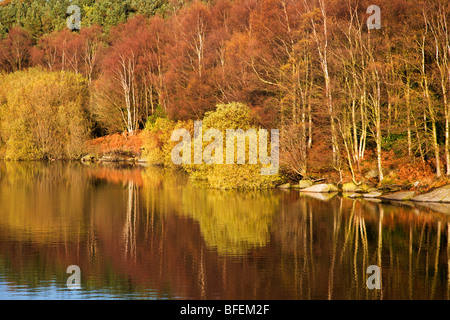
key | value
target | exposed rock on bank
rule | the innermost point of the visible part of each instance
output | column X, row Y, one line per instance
column 110, row 157
column 89, row 158
column 369, row 195
column 321, row 188
column 441, row 194
column 319, row 196
column 113, row 158
column 373, row 194
column 302, row 184
column 351, row 187
column 399, row 196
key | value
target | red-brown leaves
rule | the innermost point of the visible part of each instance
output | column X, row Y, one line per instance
column 15, row 50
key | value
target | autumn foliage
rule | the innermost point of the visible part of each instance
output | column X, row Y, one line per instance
column 339, row 92
column 43, row 115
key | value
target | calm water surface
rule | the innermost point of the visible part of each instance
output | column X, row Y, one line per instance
column 148, row 233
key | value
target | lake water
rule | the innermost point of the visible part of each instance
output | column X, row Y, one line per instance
column 148, row 233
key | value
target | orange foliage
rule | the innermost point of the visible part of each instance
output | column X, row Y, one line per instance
column 118, row 175
column 118, row 142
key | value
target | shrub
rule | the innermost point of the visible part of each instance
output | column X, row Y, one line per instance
column 231, row 176
column 43, row 114
column 158, row 148
column 157, row 136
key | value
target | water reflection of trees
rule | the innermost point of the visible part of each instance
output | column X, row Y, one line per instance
column 232, row 222
column 347, row 236
column 132, row 229
column 43, row 200
column 129, row 229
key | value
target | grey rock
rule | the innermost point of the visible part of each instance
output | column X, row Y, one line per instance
column 89, row 157
column 319, row 196
column 399, row 196
column 441, row 194
column 373, row 194
column 321, row 188
column 106, row 159
column 349, row 187
column 302, row 184
column 355, row 195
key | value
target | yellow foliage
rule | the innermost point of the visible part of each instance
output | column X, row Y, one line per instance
column 158, row 148
column 231, row 176
column 43, row 114
column 232, row 222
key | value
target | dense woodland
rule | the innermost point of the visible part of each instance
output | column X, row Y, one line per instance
column 339, row 92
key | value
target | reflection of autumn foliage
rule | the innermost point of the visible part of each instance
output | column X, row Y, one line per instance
column 229, row 222
column 29, row 210
column 117, row 175
column 196, row 243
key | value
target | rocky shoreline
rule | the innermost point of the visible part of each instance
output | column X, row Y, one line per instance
column 389, row 193
column 113, row 158
column 348, row 190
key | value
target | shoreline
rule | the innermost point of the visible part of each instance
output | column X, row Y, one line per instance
column 126, row 149
column 394, row 193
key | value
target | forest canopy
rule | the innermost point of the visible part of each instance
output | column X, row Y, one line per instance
column 340, row 93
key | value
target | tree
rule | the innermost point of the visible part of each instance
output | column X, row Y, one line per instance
column 432, row 112
column 15, row 50
column 43, row 115
column 121, row 85
column 438, row 24
column 322, row 50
